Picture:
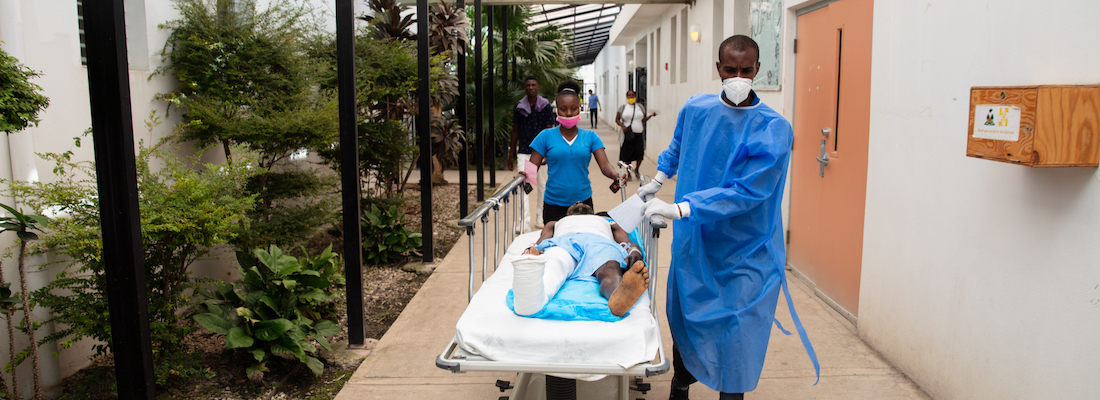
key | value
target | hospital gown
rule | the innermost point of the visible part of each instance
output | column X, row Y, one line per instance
column 728, row 254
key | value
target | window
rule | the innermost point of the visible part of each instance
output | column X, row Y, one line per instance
column 683, row 45
column 653, row 72
column 672, row 54
column 137, row 44
column 660, row 68
column 718, row 35
column 80, row 31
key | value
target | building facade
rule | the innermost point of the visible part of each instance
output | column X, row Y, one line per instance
column 978, row 279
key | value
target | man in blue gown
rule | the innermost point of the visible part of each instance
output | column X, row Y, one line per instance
column 730, row 152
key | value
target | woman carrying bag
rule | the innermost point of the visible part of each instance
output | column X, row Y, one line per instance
column 631, row 118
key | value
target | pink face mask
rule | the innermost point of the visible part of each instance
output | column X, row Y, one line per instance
column 569, row 123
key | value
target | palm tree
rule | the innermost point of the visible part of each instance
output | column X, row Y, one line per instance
column 539, row 52
column 22, row 224
column 387, row 21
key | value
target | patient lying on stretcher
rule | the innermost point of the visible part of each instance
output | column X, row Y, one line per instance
column 580, row 246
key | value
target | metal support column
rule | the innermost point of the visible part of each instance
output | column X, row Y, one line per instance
column 120, row 217
column 479, row 101
column 504, row 47
column 492, row 152
column 350, row 186
column 423, row 128
column 460, row 112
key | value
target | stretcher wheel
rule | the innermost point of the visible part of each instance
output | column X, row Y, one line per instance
column 504, row 385
column 640, row 386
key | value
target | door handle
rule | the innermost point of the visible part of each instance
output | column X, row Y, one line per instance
column 823, row 159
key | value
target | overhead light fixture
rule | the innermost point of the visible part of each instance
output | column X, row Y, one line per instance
column 694, row 31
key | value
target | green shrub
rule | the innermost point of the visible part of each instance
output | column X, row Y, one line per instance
column 186, row 209
column 20, row 101
column 385, row 238
column 277, row 306
column 245, row 80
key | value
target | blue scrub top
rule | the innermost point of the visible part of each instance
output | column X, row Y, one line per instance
column 728, row 255
column 566, row 165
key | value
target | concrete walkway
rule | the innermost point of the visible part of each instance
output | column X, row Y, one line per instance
column 402, row 364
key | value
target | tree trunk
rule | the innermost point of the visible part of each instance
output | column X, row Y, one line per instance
column 228, row 154
column 437, row 172
column 29, row 320
column 407, row 173
column 11, row 345
column 11, row 349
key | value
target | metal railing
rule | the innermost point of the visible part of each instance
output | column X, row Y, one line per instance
column 504, row 196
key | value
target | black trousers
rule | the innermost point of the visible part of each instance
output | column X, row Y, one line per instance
column 592, row 115
column 681, row 378
column 553, row 212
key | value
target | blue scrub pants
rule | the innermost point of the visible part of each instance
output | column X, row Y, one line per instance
column 682, row 379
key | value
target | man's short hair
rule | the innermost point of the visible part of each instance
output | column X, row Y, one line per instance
column 531, row 78
column 579, row 209
column 739, row 43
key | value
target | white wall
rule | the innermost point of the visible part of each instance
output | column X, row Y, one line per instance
column 43, row 35
column 981, row 280
column 667, row 95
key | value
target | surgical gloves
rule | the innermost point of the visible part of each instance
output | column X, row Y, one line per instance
column 653, row 186
column 670, row 211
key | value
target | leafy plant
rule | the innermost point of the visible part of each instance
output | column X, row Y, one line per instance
column 20, row 101
column 246, row 79
column 22, row 224
column 187, row 208
column 389, row 20
column 385, row 238
column 277, row 307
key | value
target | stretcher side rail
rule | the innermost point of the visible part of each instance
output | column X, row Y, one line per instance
column 455, row 359
column 503, row 195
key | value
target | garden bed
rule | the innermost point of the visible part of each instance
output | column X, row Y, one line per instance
column 386, row 291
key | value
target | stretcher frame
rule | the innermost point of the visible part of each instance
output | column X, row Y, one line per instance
column 457, row 360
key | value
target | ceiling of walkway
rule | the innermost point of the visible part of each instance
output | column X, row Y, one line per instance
column 590, row 24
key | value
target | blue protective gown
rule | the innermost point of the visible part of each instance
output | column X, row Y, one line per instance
column 728, row 256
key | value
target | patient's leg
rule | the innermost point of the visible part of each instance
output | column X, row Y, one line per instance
column 536, row 279
column 622, row 291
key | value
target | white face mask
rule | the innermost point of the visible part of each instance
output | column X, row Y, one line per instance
column 737, row 89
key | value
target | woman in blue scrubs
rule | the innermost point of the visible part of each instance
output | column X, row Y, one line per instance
column 567, row 151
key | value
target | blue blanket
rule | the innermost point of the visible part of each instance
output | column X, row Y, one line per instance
column 577, row 300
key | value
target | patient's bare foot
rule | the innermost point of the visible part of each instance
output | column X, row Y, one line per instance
column 635, row 282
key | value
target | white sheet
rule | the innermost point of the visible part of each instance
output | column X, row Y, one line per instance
column 489, row 328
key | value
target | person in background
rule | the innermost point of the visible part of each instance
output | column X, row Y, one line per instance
column 631, row 118
column 593, row 108
column 567, row 150
column 730, row 152
column 530, row 116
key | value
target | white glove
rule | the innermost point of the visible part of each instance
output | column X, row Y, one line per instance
column 653, row 186
column 670, row 211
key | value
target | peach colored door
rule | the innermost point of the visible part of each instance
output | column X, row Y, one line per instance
column 829, row 158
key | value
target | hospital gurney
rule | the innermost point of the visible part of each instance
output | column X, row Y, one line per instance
column 490, row 337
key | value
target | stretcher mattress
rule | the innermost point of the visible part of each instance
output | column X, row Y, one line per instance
column 490, row 329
